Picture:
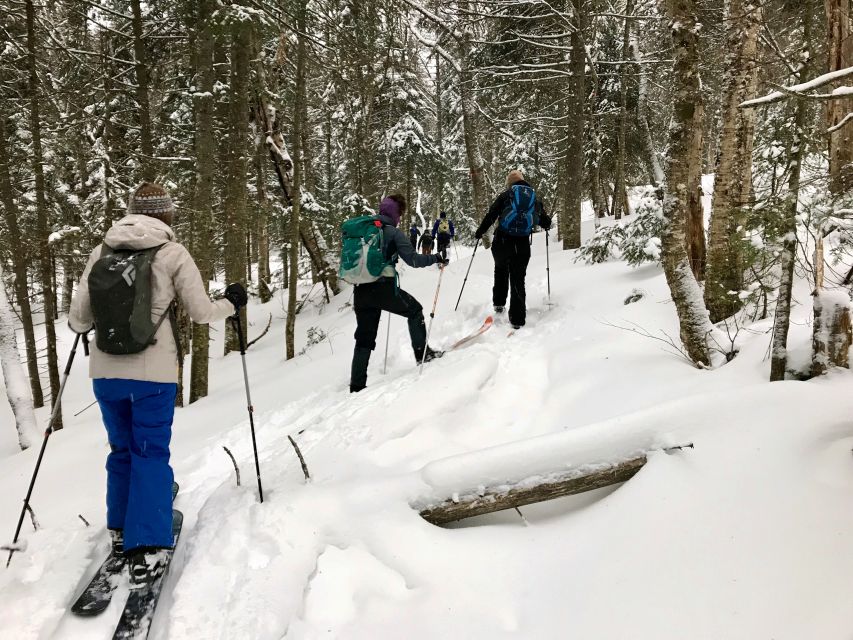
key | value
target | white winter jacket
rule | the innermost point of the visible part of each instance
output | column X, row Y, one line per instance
column 174, row 275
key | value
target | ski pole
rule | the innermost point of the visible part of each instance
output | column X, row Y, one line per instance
column 456, row 308
column 431, row 316
column 53, row 414
column 235, row 319
column 387, row 339
column 548, row 265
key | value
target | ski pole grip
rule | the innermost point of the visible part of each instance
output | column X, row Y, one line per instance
column 86, row 344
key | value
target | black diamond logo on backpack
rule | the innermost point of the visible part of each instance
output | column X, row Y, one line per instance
column 129, row 275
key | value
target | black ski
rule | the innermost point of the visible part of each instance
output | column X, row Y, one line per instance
column 139, row 609
column 98, row 593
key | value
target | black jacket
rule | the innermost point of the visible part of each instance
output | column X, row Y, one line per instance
column 395, row 244
column 500, row 205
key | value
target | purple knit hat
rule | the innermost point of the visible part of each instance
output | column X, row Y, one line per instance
column 390, row 208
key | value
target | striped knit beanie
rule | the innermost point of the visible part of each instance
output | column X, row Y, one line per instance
column 152, row 200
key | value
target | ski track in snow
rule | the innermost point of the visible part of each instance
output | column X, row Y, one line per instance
column 746, row 536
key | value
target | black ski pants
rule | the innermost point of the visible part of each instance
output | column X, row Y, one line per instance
column 443, row 243
column 511, row 256
column 370, row 301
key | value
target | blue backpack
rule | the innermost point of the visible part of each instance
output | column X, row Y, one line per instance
column 519, row 218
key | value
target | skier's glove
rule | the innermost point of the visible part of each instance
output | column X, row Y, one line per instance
column 235, row 293
column 479, row 235
column 442, row 262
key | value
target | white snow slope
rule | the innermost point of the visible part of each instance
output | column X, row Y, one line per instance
column 747, row 536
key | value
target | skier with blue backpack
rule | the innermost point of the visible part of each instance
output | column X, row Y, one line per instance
column 370, row 250
column 517, row 210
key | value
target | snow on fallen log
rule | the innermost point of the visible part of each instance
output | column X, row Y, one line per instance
column 534, row 470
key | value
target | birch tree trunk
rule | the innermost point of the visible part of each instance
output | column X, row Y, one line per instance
column 14, row 378
column 695, row 325
column 45, row 262
column 733, row 181
column 203, row 219
column 840, row 54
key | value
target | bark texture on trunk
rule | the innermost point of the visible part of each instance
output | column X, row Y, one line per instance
column 620, row 205
column 14, row 379
column 570, row 218
column 733, row 181
column 523, row 493
column 840, row 54
column 143, row 98
column 20, row 260
column 832, row 332
column 236, row 193
column 45, row 261
column 695, row 325
column 299, row 113
column 203, row 218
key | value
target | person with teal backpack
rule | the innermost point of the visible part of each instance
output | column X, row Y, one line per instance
column 370, row 248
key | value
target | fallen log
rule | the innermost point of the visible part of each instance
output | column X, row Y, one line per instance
column 535, row 489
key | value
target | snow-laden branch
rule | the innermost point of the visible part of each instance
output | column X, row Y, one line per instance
column 841, row 124
column 435, row 47
column 802, row 90
column 429, row 15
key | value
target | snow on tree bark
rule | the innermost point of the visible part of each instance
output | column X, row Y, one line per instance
column 14, row 378
column 733, row 180
column 695, row 324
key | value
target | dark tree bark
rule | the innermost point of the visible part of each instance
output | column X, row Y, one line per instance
column 20, row 259
column 45, row 262
column 143, row 99
column 203, row 219
column 570, row 218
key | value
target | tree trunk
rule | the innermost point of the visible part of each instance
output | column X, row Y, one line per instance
column 695, row 325
column 471, row 135
column 262, row 225
column 19, row 254
column 656, row 174
column 549, row 487
column 236, row 193
column 622, row 119
column 43, row 230
column 13, row 373
column 840, row 54
column 203, row 219
column 143, row 100
column 733, row 181
column 788, row 258
column 299, row 112
column 832, row 335
column 570, row 219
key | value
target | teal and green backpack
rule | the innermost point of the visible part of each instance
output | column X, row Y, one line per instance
column 362, row 260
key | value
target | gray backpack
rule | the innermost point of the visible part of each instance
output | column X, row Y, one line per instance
column 120, row 292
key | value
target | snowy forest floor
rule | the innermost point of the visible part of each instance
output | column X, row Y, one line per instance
column 746, row 536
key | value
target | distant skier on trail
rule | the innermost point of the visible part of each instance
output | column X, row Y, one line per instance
column 126, row 294
column 425, row 243
column 379, row 291
column 517, row 210
column 443, row 232
column 414, row 232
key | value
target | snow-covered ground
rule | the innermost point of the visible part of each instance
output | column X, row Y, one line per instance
column 746, row 536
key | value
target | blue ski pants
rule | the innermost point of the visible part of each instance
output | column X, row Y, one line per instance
column 138, row 417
